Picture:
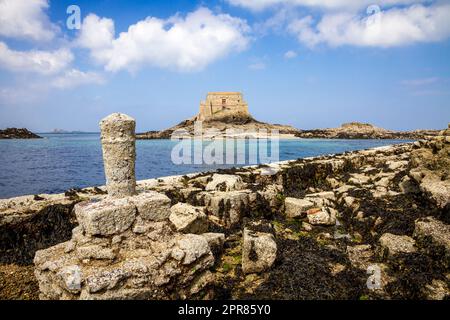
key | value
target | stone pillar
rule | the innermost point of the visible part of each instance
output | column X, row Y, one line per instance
column 119, row 154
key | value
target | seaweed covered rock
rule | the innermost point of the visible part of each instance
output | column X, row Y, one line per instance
column 259, row 251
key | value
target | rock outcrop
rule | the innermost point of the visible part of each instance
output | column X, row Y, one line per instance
column 357, row 130
column 14, row 133
column 222, row 115
column 370, row 224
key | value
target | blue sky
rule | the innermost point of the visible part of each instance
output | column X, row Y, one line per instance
column 308, row 63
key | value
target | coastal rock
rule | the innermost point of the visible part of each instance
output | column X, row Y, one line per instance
column 322, row 216
column 152, row 205
column 295, row 208
column 225, row 182
column 229, row 207
column 188, row 219
column 436, row 290
column 392, row 244
column 360, row 256
column 215, row 241
column 194, row 247
column 433, row 235
column 408, row 185
column 106, row 217
column 14, row 133
column 259, row 251
column 358, row 130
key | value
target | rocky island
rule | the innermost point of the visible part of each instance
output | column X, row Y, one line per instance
column 370, row 224
column 358, row 130
column 14, row 133
column 221, row 111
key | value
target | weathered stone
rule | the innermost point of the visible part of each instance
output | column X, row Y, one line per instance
column 433, row 235
column 436, row 290
column 329, row 195
column 271, row 194
column 188, row 219
column 395, row 165
column 71, row 277
column 392, row 244
column 105, row 280
column 228, row 206
column 119, row 154
column 359, row 179
column 152, row 205
column 194, row 247
column 259, row 251
column 107, row 217
column 407, row 185
column 95, row 252
column 360, row 255
column 321, row 216
column 215, row 241
column 295, row 208
column 437, row 189
column 225, row 182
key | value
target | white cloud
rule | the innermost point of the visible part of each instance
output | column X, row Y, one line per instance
column 290, row 54
column 97, row 33
column 74, row 78
column 178, row 43
column 26, row 19
column 257, row 5
column 42, row 62
column 420, row 82
column 257, row 66
column 388, row 28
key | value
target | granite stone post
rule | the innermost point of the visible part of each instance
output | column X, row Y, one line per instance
column 119, row 154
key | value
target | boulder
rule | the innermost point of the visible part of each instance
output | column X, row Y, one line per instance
column 152, row 205
column 229, row 207
column 329, row 195
column 407, row 185
column 163, row 268
column 106, row 217
column 295, row 208
column 225, row 182
column 188, row 219
column 194, row 247
column 392, row 244
column 437, row 189
column 433, row 236
column 215, row 241
column 358, row 179
column 322, row 216
column 259, row 251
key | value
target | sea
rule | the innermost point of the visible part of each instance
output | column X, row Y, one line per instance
column 60, row 162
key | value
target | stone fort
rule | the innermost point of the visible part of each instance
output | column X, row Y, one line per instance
column 223, row 105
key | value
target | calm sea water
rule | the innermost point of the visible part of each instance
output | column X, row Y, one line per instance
column 63, row 161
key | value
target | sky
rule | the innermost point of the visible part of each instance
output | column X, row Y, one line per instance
column 306, row 63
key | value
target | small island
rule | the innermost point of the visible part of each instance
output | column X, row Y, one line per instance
column 226, row 115
column 15, row 133
column 222, row 115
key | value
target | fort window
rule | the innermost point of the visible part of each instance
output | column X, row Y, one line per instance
column 224, row 101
